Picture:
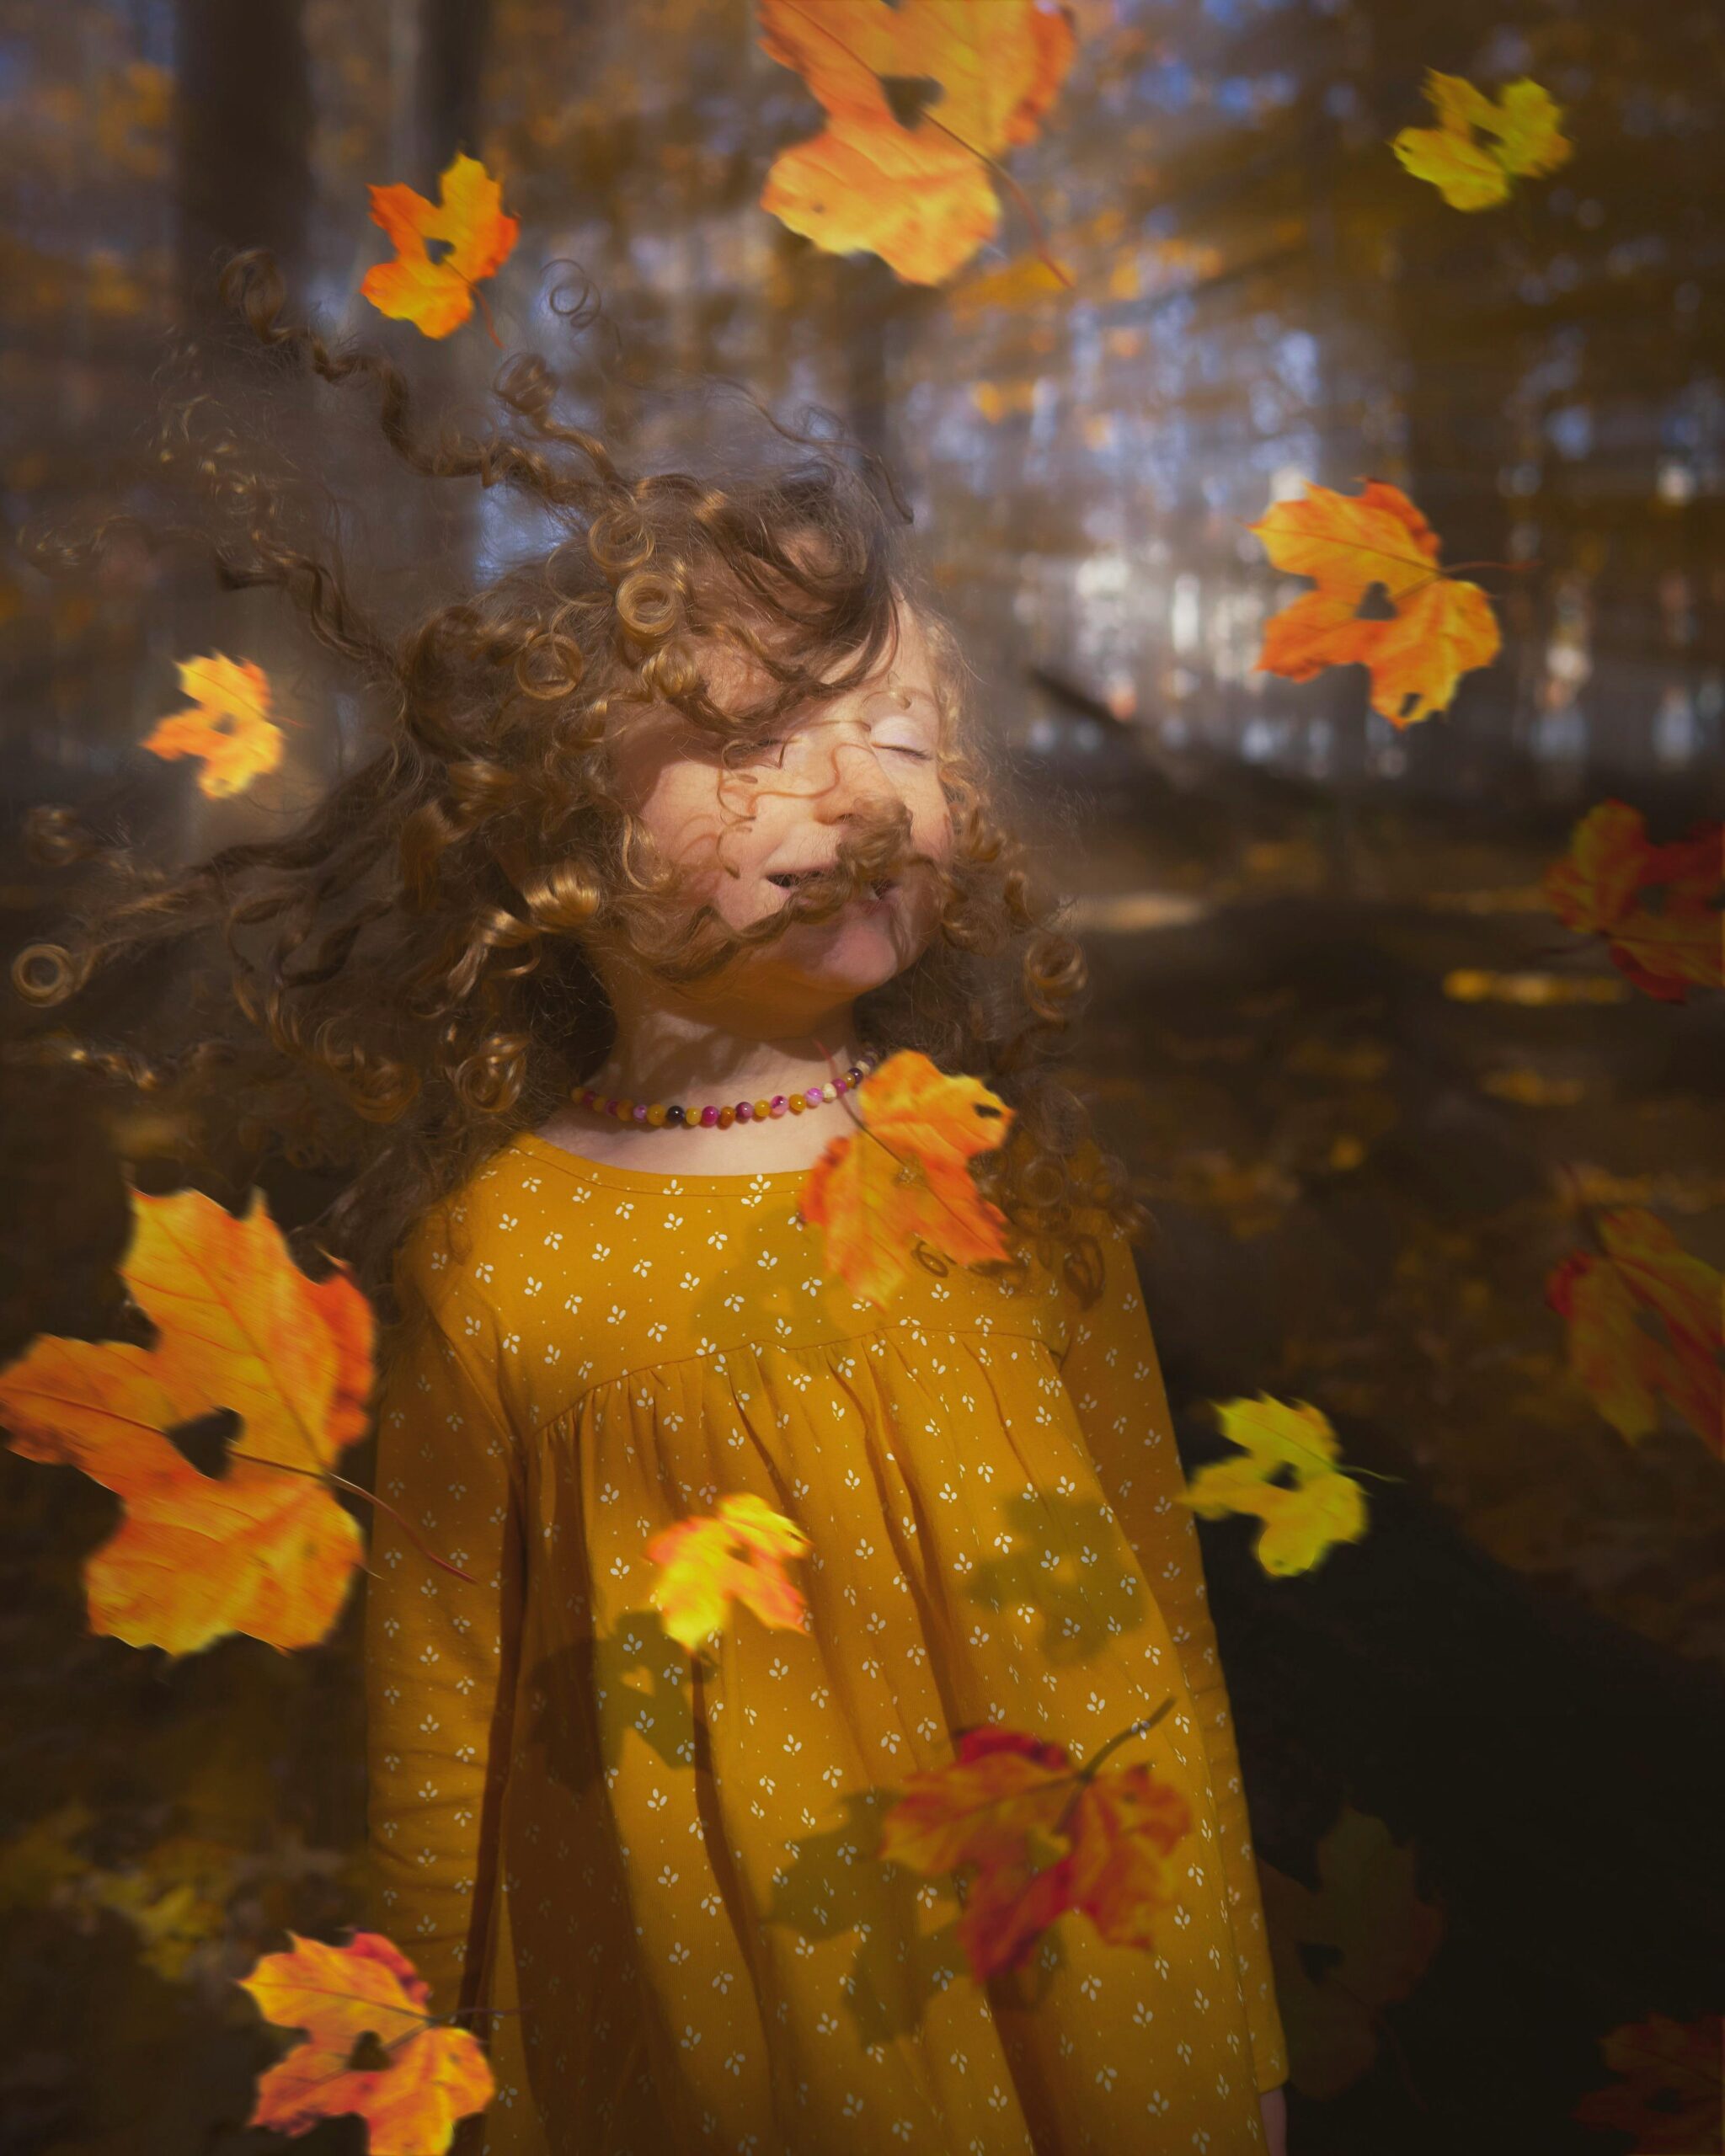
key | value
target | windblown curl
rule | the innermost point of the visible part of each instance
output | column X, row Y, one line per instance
column 399, row 982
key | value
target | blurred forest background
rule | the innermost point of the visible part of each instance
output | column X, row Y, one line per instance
column 1370, row 1086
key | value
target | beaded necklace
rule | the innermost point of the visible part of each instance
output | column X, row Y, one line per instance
column 717, row 1115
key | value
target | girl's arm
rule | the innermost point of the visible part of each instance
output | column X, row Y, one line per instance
column 1114, row 1377
column 440, row 1657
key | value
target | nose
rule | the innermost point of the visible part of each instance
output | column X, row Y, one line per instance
column 854, row 783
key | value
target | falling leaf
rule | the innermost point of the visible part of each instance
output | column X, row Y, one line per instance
column 1522, row 141
column 263, row 1548
column 1473, row 985
column 1671, row 2093
column 1599, row 886
column 1324, row 1506
column 1352, row 545
column 737, row 1555
column 228, row 723
column 906, row 1173
column 921, row 98
column 1644, row 1319
column 1044, row 1839
column 1367, row 1920
column 341, row 1996
column 467, row 223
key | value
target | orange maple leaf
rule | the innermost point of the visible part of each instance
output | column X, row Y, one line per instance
column 906, row 1173
column 262, row 1547
column 921, row 98
column 1044, row 1837
column 1350, row 544
column 736, row 1555
column 1644, row 1318
column 228, row 723
column 467, row 219
column 1671, row 2096
column 1599, row 885
column 431, row 2074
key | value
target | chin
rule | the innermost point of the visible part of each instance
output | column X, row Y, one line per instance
column 850, row 955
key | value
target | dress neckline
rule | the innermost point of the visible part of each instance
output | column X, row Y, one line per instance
column 766, row 1181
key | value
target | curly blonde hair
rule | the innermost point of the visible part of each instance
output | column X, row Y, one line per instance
column 401, row 982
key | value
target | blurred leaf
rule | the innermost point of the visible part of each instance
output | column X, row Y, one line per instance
column 736, row 1555
column 1522, row 141
column 467, row 222
column 1531, row 1089
column 1670, row 2094
column 227, row 724
column 1301, row 1522
column 908, row 179
column 1645, row 1320
column 1368, row 1923
column 1044, row 1839
column 1472, row 985
column 1610, row 869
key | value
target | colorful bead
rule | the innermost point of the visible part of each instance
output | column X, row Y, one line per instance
column 672, row 1115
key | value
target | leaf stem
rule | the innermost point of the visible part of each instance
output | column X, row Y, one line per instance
column 480, row 301
column 371, row 1497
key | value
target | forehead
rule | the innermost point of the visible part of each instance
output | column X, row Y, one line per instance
column 660, row 745
column 906, row 671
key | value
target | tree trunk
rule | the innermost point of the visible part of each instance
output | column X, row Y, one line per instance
column 244, row 125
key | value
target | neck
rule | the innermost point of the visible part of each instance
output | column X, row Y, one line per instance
column 666, row 1056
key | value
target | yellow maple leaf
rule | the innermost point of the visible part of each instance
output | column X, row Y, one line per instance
column 737, row 1555
column 1522, row 141
column 228, row 723
column 921, row 98
column 467, row 220
column 1324, row 1504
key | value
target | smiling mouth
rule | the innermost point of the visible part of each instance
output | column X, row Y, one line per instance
column 788, row 879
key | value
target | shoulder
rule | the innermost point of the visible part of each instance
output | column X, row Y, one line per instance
column 468, row 1243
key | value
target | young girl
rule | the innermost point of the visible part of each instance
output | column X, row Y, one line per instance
column 679, row 831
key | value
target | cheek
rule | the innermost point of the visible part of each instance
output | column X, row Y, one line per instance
column 932, row 826
column 687, row 820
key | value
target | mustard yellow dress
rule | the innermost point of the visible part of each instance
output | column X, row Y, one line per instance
column 653, row 1881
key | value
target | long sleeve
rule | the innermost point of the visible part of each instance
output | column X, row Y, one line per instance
column 440, row 1655
column 1113, row 1375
